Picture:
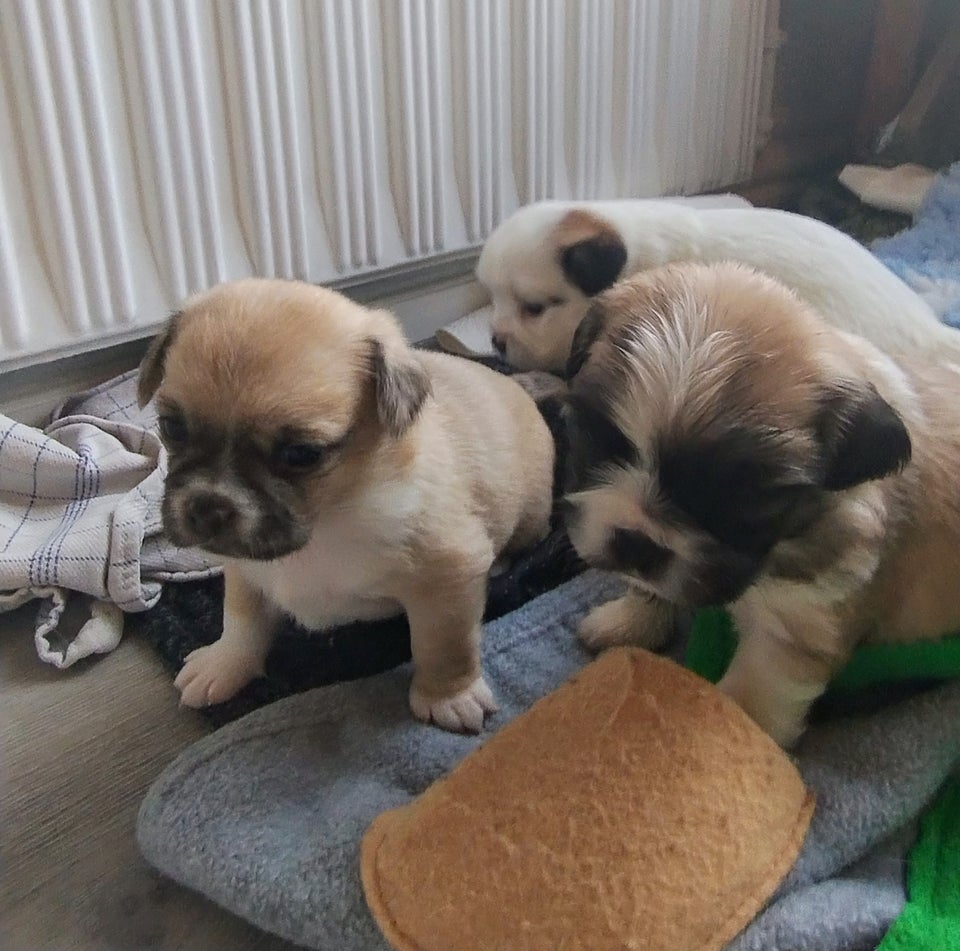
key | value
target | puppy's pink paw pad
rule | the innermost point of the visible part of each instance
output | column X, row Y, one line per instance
column 461, row 713
column 213, row 674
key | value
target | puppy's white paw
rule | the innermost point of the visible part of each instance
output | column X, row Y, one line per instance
column 630, row 620
column 215, row 673
column 782, row 726
column 787, row 733
column 540, row 385
column 461, row 713
column 781, row 717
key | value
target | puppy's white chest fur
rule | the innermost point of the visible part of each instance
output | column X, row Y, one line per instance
column 341, row 574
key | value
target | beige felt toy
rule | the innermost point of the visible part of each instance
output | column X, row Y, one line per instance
column 635, row 807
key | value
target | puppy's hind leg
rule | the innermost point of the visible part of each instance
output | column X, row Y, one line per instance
column 215, row 673
column 445, row 618
column 532, row 528
column 636, row 619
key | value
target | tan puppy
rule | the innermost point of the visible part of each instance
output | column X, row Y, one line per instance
column 342, row 476
column 731, row 448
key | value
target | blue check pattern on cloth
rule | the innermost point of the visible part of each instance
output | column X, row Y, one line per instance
column 80, row 512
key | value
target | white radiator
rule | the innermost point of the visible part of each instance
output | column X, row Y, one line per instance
column 155, row 147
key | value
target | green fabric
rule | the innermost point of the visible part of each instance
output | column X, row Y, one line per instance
column 713, row 640
column 711, row 645
column 930, row 921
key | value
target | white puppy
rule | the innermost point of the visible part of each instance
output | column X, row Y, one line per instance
column 544, row 264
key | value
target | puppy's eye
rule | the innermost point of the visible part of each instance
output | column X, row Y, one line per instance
column 173, row 428
column 301, row 455
column 531, row 308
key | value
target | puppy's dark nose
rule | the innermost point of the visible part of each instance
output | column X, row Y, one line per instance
column 209, row 513
column 499, row 344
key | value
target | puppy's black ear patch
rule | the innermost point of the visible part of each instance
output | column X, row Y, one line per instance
column 593, row 442
column 401, row 387
column 594, row 263
column 584, row 338
column 151, row 367
column 862, row 436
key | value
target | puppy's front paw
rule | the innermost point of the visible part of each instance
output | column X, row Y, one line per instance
column 630, row 620
column 541, row 385
column 782, row 717
column 214, row 673
column 461, row 713
column 784, row 727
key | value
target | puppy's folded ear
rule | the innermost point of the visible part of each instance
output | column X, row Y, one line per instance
column 586, row 334
column 592, row 253
column 401, row 384
column 151, row 367
column 862, row 436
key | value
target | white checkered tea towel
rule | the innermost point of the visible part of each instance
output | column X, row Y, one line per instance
column 80, row 512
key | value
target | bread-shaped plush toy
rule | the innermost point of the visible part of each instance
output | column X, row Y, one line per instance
column 635, row 807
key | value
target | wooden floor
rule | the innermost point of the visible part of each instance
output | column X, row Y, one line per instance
column 78, row 749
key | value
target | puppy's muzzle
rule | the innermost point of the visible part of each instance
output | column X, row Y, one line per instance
column 208, row 515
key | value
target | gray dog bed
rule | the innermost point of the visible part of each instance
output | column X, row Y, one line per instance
column 266, row 815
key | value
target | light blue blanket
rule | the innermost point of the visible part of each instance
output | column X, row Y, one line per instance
column 265, row 816
column 927, row 255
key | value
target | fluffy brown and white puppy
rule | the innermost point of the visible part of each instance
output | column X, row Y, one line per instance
column 732, row 448
column 544, row 264
column 342, row 475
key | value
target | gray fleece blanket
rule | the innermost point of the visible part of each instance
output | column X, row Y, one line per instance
column 265, row 816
